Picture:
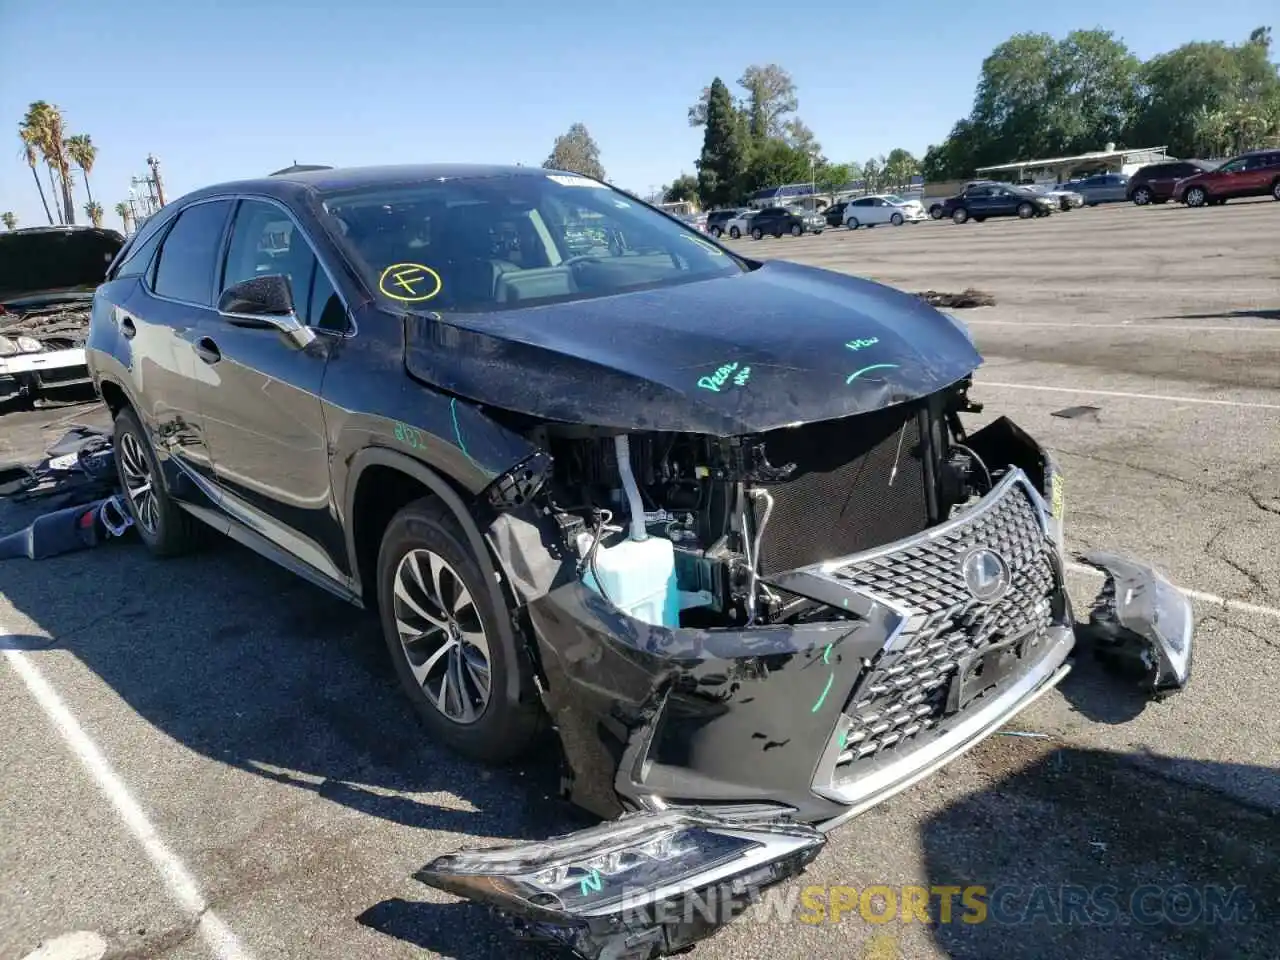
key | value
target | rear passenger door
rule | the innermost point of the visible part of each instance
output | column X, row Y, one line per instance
column 172, row 311
column 1259, row 172
column 261, row 402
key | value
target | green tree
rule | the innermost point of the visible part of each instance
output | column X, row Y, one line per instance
column 873, row 174
column 722, row 165
column 125, row 215
column 45, row 122
column 576, row 152
column 30, row 144
column 683, row 188
column 9, row 220
column 832, row 176
column 899, row 167
column 775, row 162
column 83, row 153
column 771, row 98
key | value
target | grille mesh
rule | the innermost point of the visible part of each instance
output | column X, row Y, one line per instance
column 840, row 499
column 904, row 692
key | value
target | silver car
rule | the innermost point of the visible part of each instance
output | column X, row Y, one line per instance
column 1100, row 188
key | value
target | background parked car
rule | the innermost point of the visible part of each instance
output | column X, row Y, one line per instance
column 1065, row 199
column 740, row 225
column 1253, row 174
column 718, row 220
column 1155, row 182
column 835, row 213
column 1100, row 188
column 776, row 221
column 984, row 200
column 882, row 208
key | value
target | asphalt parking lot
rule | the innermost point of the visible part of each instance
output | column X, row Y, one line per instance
column 268, row 793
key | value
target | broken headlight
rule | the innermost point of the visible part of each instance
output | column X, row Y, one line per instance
column 648, row 881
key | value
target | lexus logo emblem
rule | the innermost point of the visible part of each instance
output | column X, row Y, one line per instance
column 986, row 574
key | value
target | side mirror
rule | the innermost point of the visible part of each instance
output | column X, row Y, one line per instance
column 263, row 302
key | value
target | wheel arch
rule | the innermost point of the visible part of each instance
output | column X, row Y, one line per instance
column 402, row 479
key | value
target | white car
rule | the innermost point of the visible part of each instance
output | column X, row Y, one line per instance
column 740, row 225
column 47, row 279
column 882, row 208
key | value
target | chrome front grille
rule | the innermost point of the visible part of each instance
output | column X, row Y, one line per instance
column 904, row 692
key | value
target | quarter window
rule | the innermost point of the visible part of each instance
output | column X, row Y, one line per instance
column 190, row 249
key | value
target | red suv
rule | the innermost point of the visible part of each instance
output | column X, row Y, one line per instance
column 1253, row 174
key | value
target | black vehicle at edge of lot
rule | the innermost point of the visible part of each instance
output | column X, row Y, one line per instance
column 988, row 199
column 593, row 469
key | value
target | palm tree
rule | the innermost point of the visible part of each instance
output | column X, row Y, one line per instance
column 93, row 210
column 83, row 153
column 9, row 220
column 29, row 141
column 123, row 212
column 47, row 120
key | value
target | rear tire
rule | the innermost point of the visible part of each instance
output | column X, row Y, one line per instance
column 959, row 215
column 852, row 223
column 717, row 232
column 457, row 675
column 935, row 212
column 165, row 528
column 1275, row 190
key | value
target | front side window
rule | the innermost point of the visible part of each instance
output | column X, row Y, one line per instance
column 188, row 254
column 484, row 243
column 265, row 241
column 1232, row 166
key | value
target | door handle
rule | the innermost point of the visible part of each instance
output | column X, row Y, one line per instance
column 127, row 329
column 207, row 350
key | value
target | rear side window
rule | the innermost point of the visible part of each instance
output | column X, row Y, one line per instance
column 190, row 250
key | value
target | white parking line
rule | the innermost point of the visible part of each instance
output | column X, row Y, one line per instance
column 1167, row 328
column 179, row 882
column 1229, row 603
column 1129, row 396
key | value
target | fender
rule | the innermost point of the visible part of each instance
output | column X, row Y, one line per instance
column 433, row 481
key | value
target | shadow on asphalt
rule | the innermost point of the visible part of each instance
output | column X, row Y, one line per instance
column 246, row 663
column 1087, row 853
column 1261, row 314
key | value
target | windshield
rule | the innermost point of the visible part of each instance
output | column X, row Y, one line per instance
column 62, row 260
column 893, row 198
column 498, row 242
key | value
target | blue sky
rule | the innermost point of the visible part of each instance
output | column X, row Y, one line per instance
column 235, row 89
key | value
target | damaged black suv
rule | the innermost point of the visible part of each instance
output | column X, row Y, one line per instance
column 717, row 521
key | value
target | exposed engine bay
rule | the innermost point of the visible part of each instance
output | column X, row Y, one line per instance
column 54, row 326
column 739, row 509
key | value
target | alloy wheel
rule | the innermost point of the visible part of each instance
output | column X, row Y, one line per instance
column 442, row 636
column 139, row 483
column 1142, row 196
column 1196, row 197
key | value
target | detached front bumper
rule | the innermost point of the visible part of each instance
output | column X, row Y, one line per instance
column 34, row 373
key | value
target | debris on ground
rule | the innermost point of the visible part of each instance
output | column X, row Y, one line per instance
column 958, row 301
column 1077, row 413
column 76, row 487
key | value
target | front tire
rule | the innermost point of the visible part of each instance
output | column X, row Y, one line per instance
column 797, row 230
column 453, row 650
column 717, row 232
column 1026, row 211
column 896, row 219
column 1196, row 197
column 1142, row 196
column 165, row 528
column 757, row 233
column 734, row 233
column 852, row 223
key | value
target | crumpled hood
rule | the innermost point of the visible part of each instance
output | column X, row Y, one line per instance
column 781, row 345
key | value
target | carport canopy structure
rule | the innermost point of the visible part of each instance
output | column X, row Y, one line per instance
column 1082, row 164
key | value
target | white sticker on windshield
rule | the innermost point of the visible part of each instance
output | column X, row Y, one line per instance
column 569, row 181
